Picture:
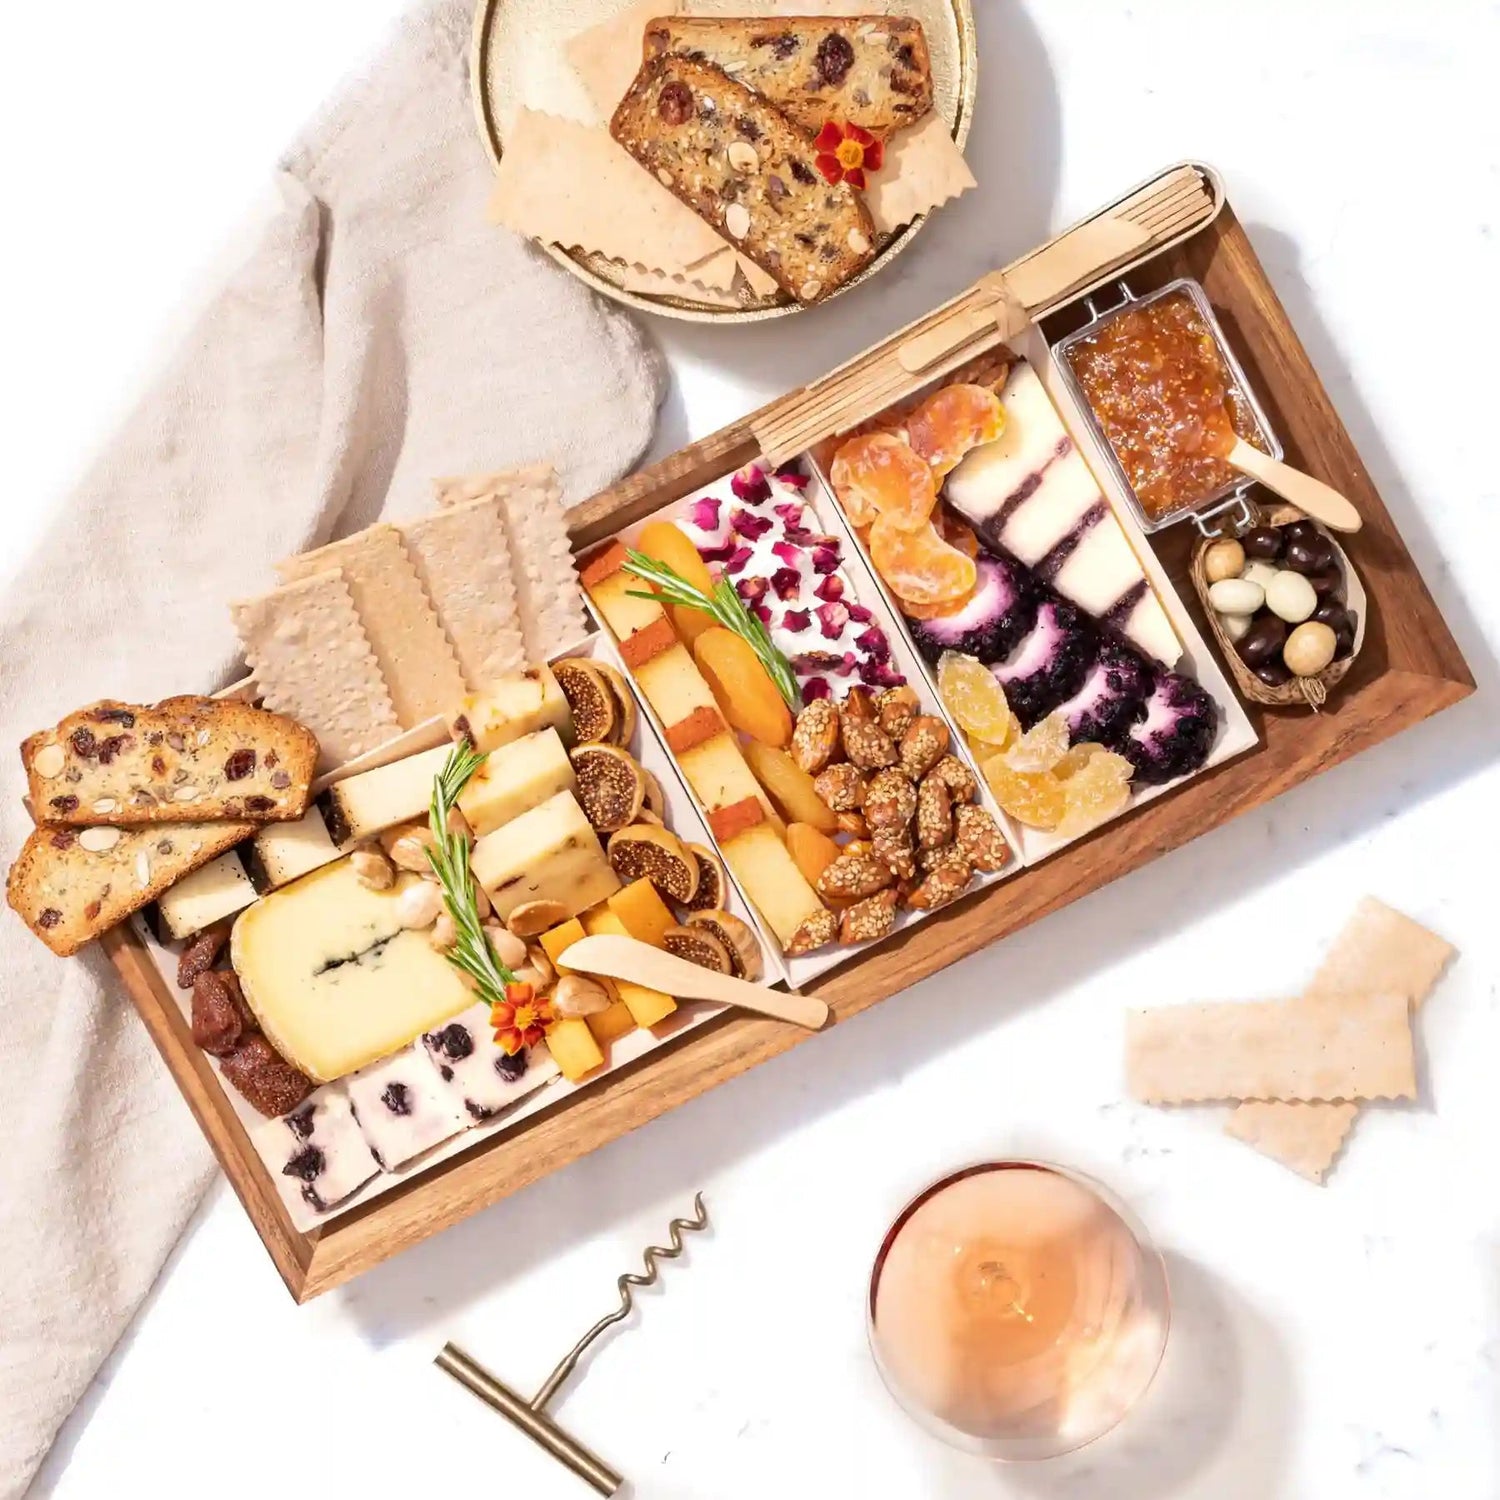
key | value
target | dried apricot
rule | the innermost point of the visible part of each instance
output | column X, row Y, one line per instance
column 746, row 695
column 792, row 790
column 811, row 851
column 952, row 421
column 1035, row 798
column 1042, row 747
column 879, row 476
column 971, row 694
column 1095, row 794
column 665, row 543
column 920, row 566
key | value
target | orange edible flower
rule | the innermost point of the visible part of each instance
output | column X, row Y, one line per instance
column 521, row 1019
column 847, row 152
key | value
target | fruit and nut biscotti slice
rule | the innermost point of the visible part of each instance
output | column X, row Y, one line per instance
column 872, row 71
column 184, row 760
column 740, row 164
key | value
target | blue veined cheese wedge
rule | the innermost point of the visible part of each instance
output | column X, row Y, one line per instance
column 334, row 979
column 1031, row 493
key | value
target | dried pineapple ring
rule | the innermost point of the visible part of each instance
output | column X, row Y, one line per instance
column 971, row 694
column 952, row 421
column 1094, row 795
column 1036, row 799
column 920, row 566
column 1042, row 746
column 880, row 475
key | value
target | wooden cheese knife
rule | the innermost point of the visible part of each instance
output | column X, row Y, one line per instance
column 1320, row 501
column 627, row 958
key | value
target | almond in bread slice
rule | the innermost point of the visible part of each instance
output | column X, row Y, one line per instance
column 872, row 71
column 183, row 760
column 740, row 164
column 70, row 884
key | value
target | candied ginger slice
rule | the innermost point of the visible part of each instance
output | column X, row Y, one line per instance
column 952, row 421
column 1042, row 747
column 971, row 694
column 1035, row 798
column 1095, row 794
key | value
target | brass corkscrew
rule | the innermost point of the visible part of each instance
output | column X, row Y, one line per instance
column 531, row 1416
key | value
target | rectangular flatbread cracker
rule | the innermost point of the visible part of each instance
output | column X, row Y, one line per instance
column 1379, row 948
column 548, row 595
column 464, row 562
column 1342, row 1047
column 415, row 658
column 312, row 661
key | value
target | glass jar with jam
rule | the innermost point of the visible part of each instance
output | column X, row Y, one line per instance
column 1167, row 398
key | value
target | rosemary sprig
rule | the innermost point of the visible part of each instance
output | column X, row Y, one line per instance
column 449, row 856
column 725, row 607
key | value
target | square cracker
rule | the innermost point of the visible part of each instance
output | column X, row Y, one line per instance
column 415, row 658
column 312, row 660
column 464, row 562
column 1341, row 1047
column 1379, row 948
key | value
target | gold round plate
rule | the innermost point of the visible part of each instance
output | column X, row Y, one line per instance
column 517, row 60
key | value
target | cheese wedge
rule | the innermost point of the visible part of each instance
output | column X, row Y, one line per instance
column 511, row 707
column 334, row 979
column 672, row 684
column 769, row 876
column 720, row 776
column 206, row 896
column 367, row 804
column 548, row 854
column 283, row 852
column 516, row 778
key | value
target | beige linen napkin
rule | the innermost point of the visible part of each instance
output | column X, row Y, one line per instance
column 377, row 334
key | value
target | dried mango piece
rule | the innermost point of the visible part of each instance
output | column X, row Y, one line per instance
column 1035, row 798
column 920, row 566
column 971, row 694
column 1042, row 746
column 880, row 475
column 1095, row 794
column 952, row 421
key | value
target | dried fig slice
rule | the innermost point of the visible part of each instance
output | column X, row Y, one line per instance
column 713, row 884
column 737, row 937
column 596, row 710
column 658, row 855
column 629, row 718
column 611, row 786
column 698, row 946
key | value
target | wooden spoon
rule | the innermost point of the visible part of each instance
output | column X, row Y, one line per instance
column 1320, row 501
column 627, row 958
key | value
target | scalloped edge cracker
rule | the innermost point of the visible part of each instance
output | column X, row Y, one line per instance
column 312, row 660
column 1335, row 1047
column 420, row 670
column 1378, row 948
column 463, row 559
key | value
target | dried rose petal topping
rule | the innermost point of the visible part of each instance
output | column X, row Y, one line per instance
column 738, row 560
column 831, row 588
column 720, row 554
column 880, row 674
column 704, row 513
column 762, row 612
column 787, row 582
column 792, row 477
column 797, row 620
column 825, row 559
column 816, row 687
column 750, row 485
column 789, row 513
column 860, row 613
column 817, row 661
column 785, row 552
column 749, row 526
column 832, row 618
column 752, row 589
column 873, row 640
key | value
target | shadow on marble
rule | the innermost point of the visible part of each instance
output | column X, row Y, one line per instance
column 1013, row 151
column 1223, row 1401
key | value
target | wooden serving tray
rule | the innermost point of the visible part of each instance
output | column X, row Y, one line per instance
column 1409, row 669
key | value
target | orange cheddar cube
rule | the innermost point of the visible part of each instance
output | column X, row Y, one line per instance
column 609, row 1025
column 559, row 940
column 646, row 1006
column 642, row 912
column 573, row 1047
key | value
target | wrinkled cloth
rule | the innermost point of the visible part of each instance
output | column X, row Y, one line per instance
column 376, row 334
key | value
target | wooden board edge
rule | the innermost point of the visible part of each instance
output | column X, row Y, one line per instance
column 292, row 1252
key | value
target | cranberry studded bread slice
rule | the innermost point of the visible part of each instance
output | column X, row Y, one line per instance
column 186, row 760
column 69, row 884
column 743, row 167
column 872, row 71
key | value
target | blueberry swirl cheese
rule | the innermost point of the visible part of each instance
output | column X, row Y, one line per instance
column 742, row 166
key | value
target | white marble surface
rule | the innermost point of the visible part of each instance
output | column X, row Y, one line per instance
column 1329, row 1343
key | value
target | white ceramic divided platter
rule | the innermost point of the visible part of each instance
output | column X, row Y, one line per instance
column 809, row 966
column 683, row 819
column 1236, row 734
